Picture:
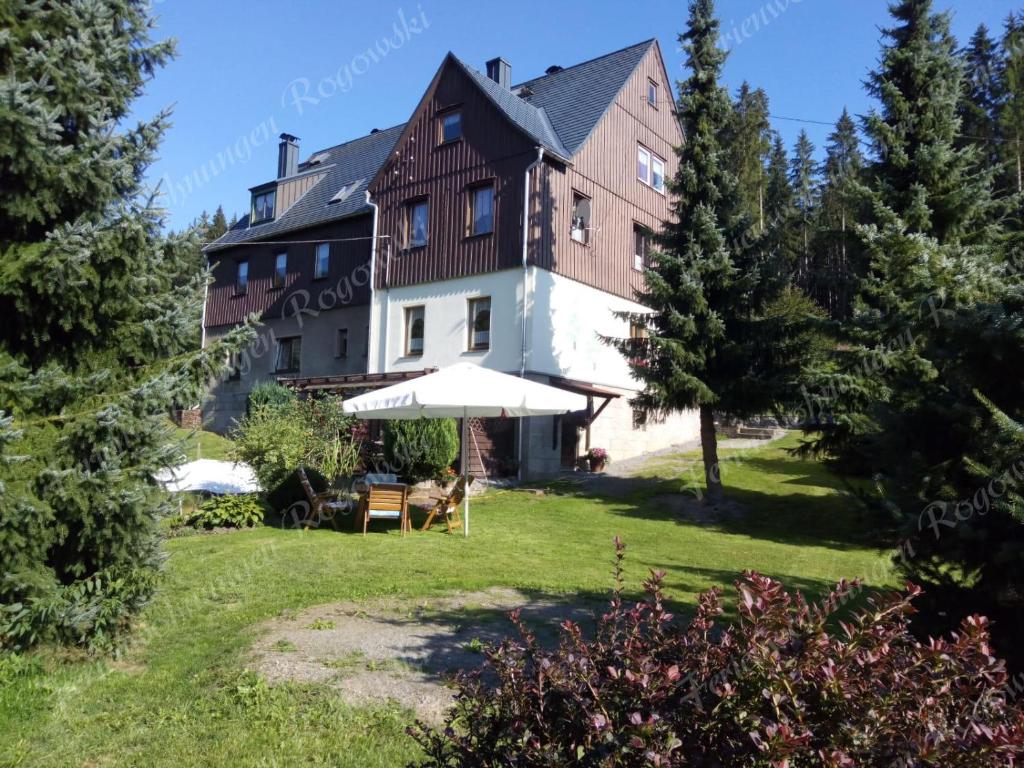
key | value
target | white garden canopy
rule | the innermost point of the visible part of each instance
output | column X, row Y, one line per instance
column 465, row 391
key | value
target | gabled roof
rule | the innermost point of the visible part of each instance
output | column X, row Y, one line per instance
column 529, row 118
column 351, row 165
column 575, row 99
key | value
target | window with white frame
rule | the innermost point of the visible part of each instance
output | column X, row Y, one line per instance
column 650, row 169
column 289, row 351
column 481, row 210
column 480, row 323
column 652, row 93
column 280, row 270
column 580, row 227
column 414, row 317
column 322, row 262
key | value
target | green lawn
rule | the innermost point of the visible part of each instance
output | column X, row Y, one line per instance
column 179, row 696
column 199, row 444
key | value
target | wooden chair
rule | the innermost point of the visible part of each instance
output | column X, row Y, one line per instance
column 386, row 501
column 322, row 506
column 449, row 506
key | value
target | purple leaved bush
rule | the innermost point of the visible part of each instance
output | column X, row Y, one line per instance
column 787, row 685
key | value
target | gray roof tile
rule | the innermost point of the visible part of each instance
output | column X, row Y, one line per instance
column 353, row 163
column 577, row 97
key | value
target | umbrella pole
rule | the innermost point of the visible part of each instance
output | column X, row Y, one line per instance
column 465, row 472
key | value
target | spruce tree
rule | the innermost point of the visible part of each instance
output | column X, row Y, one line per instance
column 804, row 181
column 218, row 225
column 749, row 140
column 782, row 227
column 1011, row 116
column 837, row 249
column 981, row 102
column 937, row 321
column 100, row 318
column 716, row 341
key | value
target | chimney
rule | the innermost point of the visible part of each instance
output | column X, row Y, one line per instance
column 500, row 71
column 287, row 156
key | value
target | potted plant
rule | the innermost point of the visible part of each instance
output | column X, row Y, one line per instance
column 598, row 458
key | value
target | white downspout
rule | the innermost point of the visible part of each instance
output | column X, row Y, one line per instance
column 526, row 299
column 370, row 346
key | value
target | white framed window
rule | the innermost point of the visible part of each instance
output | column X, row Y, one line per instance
column 451, row 126
column 414, row 317
column 417, row 223
column 650, row 169
column 579, row 229
column 322, row 261
column 481, row 210
column 480, row 323
column 280, row 270
column 341, row 343
column 263, row 206
column 289, row 352
column 652, row 93
column 241, row 277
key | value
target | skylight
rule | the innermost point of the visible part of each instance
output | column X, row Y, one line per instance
column 346, row 191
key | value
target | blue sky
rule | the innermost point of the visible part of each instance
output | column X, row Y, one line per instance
column 246, row 71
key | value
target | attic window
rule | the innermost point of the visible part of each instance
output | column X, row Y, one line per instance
column 318, row 158
column 451, row 126
column 652, row 93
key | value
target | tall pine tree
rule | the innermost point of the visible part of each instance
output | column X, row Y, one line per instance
column 100, row 322
column 716, row 342
column 981, row 103
column 749, row 141
column 937, row 323
column 837, row 249
column 804, row 182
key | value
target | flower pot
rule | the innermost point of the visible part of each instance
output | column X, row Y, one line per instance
column 597, row 465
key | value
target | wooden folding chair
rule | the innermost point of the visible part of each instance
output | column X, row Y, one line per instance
column 386, row 501
column 449, row 506
column 323, row 507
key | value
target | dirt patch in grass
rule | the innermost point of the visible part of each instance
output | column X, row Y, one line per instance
column 404, row 650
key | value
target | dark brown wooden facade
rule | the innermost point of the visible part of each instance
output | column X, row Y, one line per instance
column 491, row 151
column 347, row 282
column 604, row 170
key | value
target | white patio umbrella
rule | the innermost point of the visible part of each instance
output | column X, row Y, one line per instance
column 465, row 391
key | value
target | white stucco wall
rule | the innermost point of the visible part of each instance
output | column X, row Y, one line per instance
column 445, row 333
column 568, row 319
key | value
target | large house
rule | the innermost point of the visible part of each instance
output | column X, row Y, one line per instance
column 505, row 225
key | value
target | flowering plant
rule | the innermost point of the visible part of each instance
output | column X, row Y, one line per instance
column 598, row 454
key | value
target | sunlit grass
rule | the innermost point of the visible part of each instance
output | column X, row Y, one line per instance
column 180, row 695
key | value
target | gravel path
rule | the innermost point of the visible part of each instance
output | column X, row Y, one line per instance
column 403, row 650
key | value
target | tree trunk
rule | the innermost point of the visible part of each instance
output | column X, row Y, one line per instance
column 709, row 446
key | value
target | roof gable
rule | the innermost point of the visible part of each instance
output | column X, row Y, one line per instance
column 577, row 97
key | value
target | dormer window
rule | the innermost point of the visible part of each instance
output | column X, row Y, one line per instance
column 451, row 126
column 263, row 206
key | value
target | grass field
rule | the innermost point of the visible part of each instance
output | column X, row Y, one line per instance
column 199, row 444
column 180, row 695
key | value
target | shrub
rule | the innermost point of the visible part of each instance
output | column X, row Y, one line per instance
column 787, row 685
column 421, row 449
column 315, row 433
column 241, row 511
column 270, row 393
